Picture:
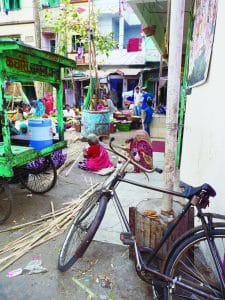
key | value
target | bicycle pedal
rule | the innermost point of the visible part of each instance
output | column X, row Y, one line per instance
column 127, row 238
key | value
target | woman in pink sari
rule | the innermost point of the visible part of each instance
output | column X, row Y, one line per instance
column 96, row 156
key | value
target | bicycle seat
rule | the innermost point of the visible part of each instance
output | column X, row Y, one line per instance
column 190, row 191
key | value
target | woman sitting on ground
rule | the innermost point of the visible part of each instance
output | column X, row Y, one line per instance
column 140, row 150
column 96, row 156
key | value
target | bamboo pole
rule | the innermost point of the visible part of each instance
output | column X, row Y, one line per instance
column 73, row 164
column 52, row 225
column 89, row 47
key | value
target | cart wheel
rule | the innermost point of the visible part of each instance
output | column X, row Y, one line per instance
column 5, row 201
column 39, row 180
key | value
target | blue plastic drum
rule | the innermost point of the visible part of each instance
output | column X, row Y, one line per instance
column 40, row 131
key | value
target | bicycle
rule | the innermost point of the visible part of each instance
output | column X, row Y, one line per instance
column 194, row 266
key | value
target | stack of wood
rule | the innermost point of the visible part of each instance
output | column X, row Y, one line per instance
column 45, row 228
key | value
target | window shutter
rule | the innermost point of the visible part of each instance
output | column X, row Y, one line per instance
column 53, row 3
column 16, row 4
column 6, row 4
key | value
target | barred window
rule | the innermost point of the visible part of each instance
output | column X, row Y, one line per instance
column 11, row 4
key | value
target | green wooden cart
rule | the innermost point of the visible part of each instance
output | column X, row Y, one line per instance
column 23, row 63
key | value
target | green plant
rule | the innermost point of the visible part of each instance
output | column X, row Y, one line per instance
column 68, row 21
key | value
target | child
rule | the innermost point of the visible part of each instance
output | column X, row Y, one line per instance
column 147, row 115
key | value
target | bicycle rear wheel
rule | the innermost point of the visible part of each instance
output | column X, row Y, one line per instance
column 192, row 263
column 5, row 201
column 40, row 179
column 81, row 232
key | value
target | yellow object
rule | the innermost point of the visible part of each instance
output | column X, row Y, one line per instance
column 151, row 214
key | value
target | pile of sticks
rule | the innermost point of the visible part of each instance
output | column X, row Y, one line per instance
column 45, row 228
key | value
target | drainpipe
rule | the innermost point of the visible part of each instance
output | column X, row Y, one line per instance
column 173, row 97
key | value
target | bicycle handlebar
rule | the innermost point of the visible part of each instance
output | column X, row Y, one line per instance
column 158, row 170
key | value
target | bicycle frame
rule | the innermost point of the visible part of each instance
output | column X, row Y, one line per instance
column 114, row 180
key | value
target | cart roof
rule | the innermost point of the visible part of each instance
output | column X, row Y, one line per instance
column 20, row 62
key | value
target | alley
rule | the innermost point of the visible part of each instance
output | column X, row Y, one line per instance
column 106, row 270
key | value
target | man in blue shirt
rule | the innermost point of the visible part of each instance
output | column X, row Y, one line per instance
column 147, row 115
column 145, row 96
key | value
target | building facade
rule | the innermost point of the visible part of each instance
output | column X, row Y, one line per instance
column 18, row 20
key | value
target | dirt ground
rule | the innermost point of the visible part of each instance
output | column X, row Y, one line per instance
column 105, row 271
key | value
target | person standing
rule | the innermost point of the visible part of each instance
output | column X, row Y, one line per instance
column 137, row 101
column 147, row 115
column 48, row 101
column 145, row 97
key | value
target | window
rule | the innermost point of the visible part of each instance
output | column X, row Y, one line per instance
column 76, row 43
column 50, row 3
column 52, row 46
column 11, row 4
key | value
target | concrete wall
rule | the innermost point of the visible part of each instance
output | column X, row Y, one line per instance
column 158, row 126
column 203, row 155
column 115, row 29
column 105, row 22
column 19, row 23
column 23, row 14
column 111, row 7
column 25, row 31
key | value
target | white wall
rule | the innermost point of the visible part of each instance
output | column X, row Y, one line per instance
column 104, row 6
column 105, row 22
column 203, row 154
column 26, row 31
column 23, row 14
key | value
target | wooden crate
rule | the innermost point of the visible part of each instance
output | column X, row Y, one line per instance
column 149, row 231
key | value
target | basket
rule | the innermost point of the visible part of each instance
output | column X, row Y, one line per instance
column 120, row 117
column 123, row 126
column 149, row 30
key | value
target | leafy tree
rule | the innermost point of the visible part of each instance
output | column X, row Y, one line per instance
column 68, row 21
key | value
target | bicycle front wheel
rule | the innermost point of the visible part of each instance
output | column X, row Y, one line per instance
column 81, row 232
column 192, row 264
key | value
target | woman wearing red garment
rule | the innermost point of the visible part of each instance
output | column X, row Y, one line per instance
column 48, row 101
column 96, row 156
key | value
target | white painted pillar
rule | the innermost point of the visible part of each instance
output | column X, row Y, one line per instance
column 173, row 96
column 121, row 32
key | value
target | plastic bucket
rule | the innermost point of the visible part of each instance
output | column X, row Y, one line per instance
column 40, row 131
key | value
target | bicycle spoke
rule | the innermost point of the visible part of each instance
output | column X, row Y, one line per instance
column 73, row 245
column 39, row 180
column 194, row 266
